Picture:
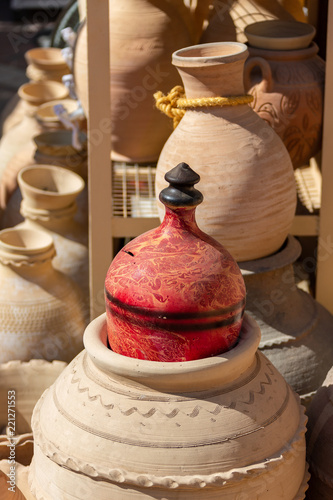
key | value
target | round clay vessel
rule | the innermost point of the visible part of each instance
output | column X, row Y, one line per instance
column 280, row 35
column 320, row 442
column 228, row 20
column 20, row 134
column 288, row 90
column 140, row 64
column 49, row 204
column 27, row 381
column 296, row 331
column 250, row 218
column 41, row 308
column 45, row 63
column 173, row 293
column 218, row 427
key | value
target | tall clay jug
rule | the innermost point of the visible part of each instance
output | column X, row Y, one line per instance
column 286, row 77
column 41, row 309
column 143, row 36
column 246, row 173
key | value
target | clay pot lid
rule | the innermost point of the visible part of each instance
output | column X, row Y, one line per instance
column 37, row 93
column 47, row 58
column 49, row 187
column 276, row 34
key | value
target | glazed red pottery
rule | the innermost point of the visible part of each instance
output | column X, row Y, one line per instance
column 174, row 293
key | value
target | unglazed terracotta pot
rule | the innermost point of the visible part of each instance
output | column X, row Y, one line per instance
column 41, row 309
column 229, row 18
column 221, row 427
column 19, row 135
column 140, row 64
column 49, row 148
column 22, row 384
column 45, row 63
column 174, row 293
column 320, row 442
column 296, row 331
column 49, row 204
column 288, row 87
column 246, row 174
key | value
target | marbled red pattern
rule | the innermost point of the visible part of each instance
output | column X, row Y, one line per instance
column 174, row 294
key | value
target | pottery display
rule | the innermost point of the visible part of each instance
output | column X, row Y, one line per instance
column 173, row 293
column 286, row 77
column 320, row 442
column 49, row 204
column 116, row 427
column 41, row 309
column 45, row 63
column 18, row 136
column 247, row 176
column 48, row 148
column 296, row 331
column 24, row 383
column 140, row 63
column 228, row 19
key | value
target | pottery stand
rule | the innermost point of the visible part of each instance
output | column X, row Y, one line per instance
column 126, row 428
column 296, row 331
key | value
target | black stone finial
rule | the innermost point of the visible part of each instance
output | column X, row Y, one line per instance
column 181, row 191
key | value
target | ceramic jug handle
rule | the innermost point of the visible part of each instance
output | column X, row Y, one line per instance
column 267, row 79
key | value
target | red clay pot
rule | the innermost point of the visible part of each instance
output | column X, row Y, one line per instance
column 174, row 293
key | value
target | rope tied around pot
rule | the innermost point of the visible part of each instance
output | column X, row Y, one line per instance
column 175, row 103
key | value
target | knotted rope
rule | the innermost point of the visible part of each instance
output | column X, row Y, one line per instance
column 175, row 103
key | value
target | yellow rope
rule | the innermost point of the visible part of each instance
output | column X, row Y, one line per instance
column 175, row 103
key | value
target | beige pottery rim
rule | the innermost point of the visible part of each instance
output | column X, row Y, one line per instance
column 197, row 375
column 48, row 58
column 49, row 186
column 211, row 54
column 25, row 246
column 39, row 92
column 45, row 112
column 276, row 34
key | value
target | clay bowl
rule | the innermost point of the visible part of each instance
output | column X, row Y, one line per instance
column 37, row 93
column 279, row 35
column 46, row 58
column 49, row 187
column 46, row 116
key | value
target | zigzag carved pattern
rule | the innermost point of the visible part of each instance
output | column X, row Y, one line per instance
column 196, row 410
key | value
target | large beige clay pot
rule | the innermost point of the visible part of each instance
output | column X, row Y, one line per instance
column 45, row 63
column 320, row 442
column 229, row 18
column 143, row 35
column 27, row 381
column 17, row 136
column 41, row 309
column 287, row 85
column 296, row 331
column 117, row 427
column 49, row 204
column 246, row 174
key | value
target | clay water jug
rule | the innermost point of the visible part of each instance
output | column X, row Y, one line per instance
column 225, row 426
column 49, row 204
column 247, row 176
column 286, row 77
column 296, row 331
column 18, row 136
column 174, row 293
column 41, row 308
column 45, row 63
column 320, row 442
column 140, row 63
